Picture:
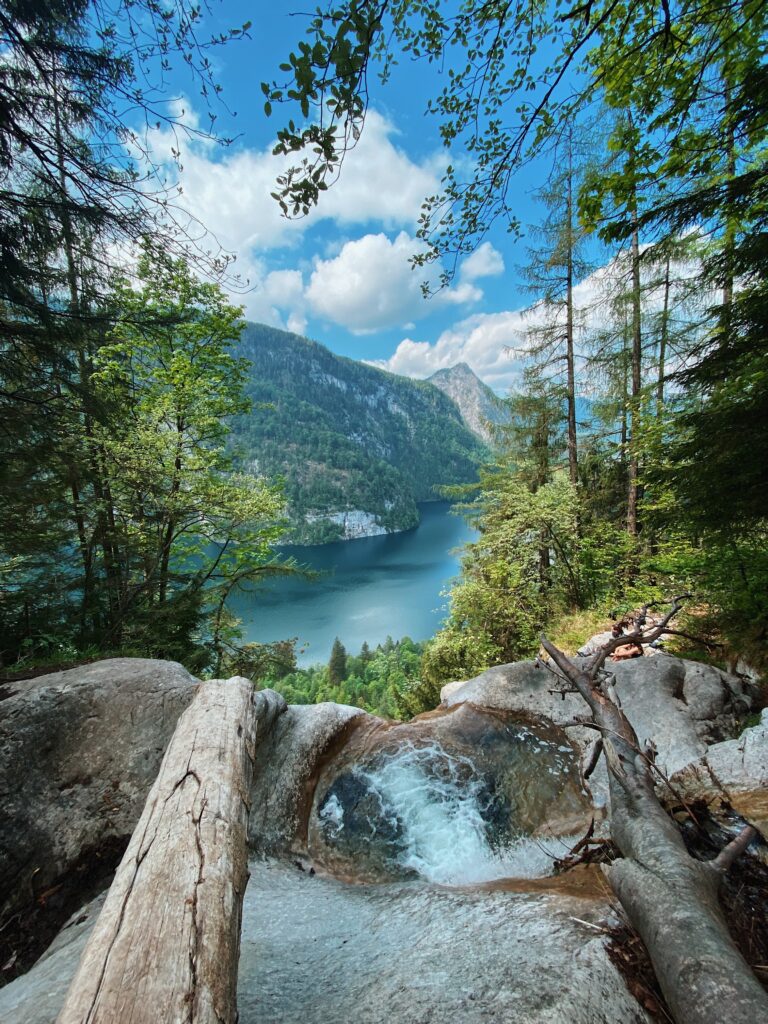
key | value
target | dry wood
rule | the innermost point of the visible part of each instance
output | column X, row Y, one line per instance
column 669, row 897
column 166, row 945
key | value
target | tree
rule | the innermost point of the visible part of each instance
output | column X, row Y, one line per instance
column 668, row 895
column 75, row 81
column 337, row 664
column 553, row 270
column 507, row 589
column 500, row 102
column 161, row 525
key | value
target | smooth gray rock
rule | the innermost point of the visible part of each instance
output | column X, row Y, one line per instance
column 651, row 694
column 678, row 704
column 315, row 950
column 286, row 764
column 37, row 996
column 732, row 774
column 522, row 686
column 716, row 700
column 79, row 751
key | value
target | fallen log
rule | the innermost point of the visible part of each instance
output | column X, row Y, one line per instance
column 165, row 948
column 669, row 897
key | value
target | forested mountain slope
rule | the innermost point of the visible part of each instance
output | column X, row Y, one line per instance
column 357, row 446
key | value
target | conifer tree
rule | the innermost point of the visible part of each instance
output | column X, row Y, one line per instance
column 337, row 664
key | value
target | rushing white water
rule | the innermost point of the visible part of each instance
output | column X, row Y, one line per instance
column 436, row 799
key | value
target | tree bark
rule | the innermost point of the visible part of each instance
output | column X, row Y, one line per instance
column 663, row 339
column 669, row 897
column 633, row 495
column 165, row 948
column 634, row 409
column 573, row 462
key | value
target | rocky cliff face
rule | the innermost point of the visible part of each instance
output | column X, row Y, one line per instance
column 353, row 523
column 480, row 408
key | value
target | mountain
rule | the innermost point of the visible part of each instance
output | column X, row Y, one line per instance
column 357, row 446
column 478, row 405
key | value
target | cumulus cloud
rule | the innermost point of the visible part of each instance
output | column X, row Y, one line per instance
column 231, row 193
column 486, row 341
column 485, row 261
column 370, row 285
column 495, row 344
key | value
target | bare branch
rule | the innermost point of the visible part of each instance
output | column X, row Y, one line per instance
column 594, row 756
column 734, row 849
column 639, row 637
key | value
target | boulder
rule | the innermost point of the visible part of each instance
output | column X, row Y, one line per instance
column 79, row 751
column 678, row 704
column 732, row 775
column 286, row 767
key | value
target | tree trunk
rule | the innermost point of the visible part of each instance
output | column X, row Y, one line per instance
column 573, row 462
column 634, row 408
column 165, row 948
column 663, row 340
column 669, row 897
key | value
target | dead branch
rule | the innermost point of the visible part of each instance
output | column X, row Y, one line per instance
column 593, row 758
column 734, row 849
column 669, row 896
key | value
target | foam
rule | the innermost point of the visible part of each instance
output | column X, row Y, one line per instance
column 443, row 833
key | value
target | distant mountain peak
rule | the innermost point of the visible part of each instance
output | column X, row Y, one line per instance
column 458, row 369
column 479, row 406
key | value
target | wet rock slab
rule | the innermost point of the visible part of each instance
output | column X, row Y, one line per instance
column 318, row 951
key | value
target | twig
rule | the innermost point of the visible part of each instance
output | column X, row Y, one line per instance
column 594, row 757
column 597, row 927
column 734, row 849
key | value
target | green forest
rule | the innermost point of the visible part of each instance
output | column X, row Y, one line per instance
column 344, row 435
column 130, row 508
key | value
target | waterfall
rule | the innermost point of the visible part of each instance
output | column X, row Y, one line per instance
column 440, row 807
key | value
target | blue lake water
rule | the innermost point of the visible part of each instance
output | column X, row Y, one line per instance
column 370, row 589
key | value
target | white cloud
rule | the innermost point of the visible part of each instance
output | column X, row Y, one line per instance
column 231, row 193
column 485, row 341
column 494, row 344
column 364, row 284
column 485, row 261
column 370, row 285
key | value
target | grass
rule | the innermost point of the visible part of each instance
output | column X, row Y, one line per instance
column 572, row 629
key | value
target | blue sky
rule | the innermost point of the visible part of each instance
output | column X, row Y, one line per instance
column 342, row 275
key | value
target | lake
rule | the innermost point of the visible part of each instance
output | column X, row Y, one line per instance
column 371, row 588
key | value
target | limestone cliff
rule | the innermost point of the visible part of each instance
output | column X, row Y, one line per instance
column 480, row 408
